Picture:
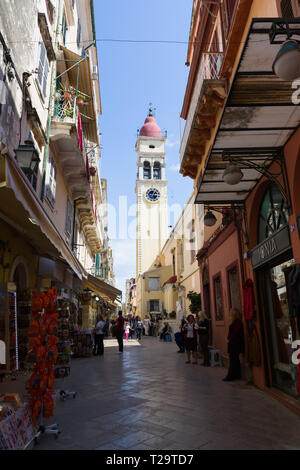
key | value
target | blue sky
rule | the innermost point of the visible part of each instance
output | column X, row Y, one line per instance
column 131, row 76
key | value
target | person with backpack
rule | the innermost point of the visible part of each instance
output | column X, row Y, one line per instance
column 139, row 328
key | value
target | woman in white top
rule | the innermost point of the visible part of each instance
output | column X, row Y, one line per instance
column 127, row 330
column 190, row 339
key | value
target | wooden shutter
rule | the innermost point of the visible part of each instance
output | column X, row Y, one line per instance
column 69, row 217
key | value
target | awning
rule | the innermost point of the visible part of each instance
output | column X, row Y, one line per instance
column 85, row 86
column 172, row 280
column 101, row 288
column 259, row 118
column 20, row 207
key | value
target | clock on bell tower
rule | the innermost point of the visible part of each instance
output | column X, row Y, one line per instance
column 151, row 194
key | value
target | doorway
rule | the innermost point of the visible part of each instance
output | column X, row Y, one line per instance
column 280, row 331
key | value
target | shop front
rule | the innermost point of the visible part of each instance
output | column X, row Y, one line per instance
column 274, row 269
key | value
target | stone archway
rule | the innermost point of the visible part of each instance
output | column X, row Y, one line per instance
column 19, row 273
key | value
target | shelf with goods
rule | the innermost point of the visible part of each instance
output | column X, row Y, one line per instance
column 8, row 328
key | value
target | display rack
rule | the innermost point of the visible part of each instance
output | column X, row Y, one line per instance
column 65, row 333
column 9, row 327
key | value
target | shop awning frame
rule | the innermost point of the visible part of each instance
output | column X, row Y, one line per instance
column 102, row 288
column 258, row 119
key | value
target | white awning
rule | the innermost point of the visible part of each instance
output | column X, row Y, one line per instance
column 259, row 118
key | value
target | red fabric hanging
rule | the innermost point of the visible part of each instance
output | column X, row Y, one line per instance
column 80, row 131
column 248, row 300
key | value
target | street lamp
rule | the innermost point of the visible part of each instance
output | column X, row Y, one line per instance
column 27, row 157
column 209, row 219
column 287, row 61
column 232, row 174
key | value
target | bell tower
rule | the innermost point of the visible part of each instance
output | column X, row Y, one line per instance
column 151, row 194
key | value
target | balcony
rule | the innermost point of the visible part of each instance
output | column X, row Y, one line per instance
column 208, row 96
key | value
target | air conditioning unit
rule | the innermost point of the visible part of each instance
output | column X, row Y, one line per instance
column 95, row 73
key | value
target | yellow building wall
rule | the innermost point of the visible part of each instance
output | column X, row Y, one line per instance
column 143, row 293
column 16, row 250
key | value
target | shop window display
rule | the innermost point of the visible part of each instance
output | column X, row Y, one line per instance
column 282, row 331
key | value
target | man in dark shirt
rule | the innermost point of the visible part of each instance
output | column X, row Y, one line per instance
column 120, row 331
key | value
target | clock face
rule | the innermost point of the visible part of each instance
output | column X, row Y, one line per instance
column 152, row 194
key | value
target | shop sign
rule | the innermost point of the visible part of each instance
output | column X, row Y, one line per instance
column 271, row 247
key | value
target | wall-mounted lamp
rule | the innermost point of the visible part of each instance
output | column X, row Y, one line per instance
column 209, row 219
column 27, row 157
column 286, row 64
column 232, row 174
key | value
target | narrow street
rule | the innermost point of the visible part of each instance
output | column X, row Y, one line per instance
column 148, row 398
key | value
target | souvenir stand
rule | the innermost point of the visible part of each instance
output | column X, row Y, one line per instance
column 65, row 333
column 42, row 334
column 28, row 325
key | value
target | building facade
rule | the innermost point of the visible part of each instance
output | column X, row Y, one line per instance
column 50, row 188
column 241, row 147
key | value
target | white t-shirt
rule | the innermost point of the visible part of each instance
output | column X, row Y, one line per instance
column 100, row 325
column 190, row 332
column 127, row 329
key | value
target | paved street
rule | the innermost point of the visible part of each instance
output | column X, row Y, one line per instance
column 148, row 398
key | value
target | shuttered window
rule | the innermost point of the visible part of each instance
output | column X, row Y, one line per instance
column 153, row 283
column 51, row 180
column 78, row 33
column 43, row 68
column 69, row 217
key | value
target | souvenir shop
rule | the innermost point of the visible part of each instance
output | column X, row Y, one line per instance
column 40, row 331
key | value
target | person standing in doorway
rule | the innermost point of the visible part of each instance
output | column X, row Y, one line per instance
column 236, row 346
column 99, row 336
column 203, row 333
column 120, row 331
column 190, row 339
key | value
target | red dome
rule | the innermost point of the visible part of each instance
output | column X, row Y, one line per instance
column 150, row 128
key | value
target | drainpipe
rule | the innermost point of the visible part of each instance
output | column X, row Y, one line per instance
column 46, row 153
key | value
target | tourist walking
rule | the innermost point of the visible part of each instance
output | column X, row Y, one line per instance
column 190, row 339
column 132, row 327
column 127, row 331
column 99, row 336
column 236, row 346
column 139, row 328
column 120, row 331
column 203, row 333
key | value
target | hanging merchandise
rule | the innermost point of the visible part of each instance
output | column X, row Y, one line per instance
column 65, row 330
column 43, row 353
column 248, row 300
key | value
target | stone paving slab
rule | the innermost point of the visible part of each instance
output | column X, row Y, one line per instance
column 149, row 399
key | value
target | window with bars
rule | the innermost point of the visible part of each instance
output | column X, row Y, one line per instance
column 43, row 68
column 51, row 180
column 69, row 212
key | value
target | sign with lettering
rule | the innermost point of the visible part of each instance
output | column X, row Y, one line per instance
column 271, row 247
